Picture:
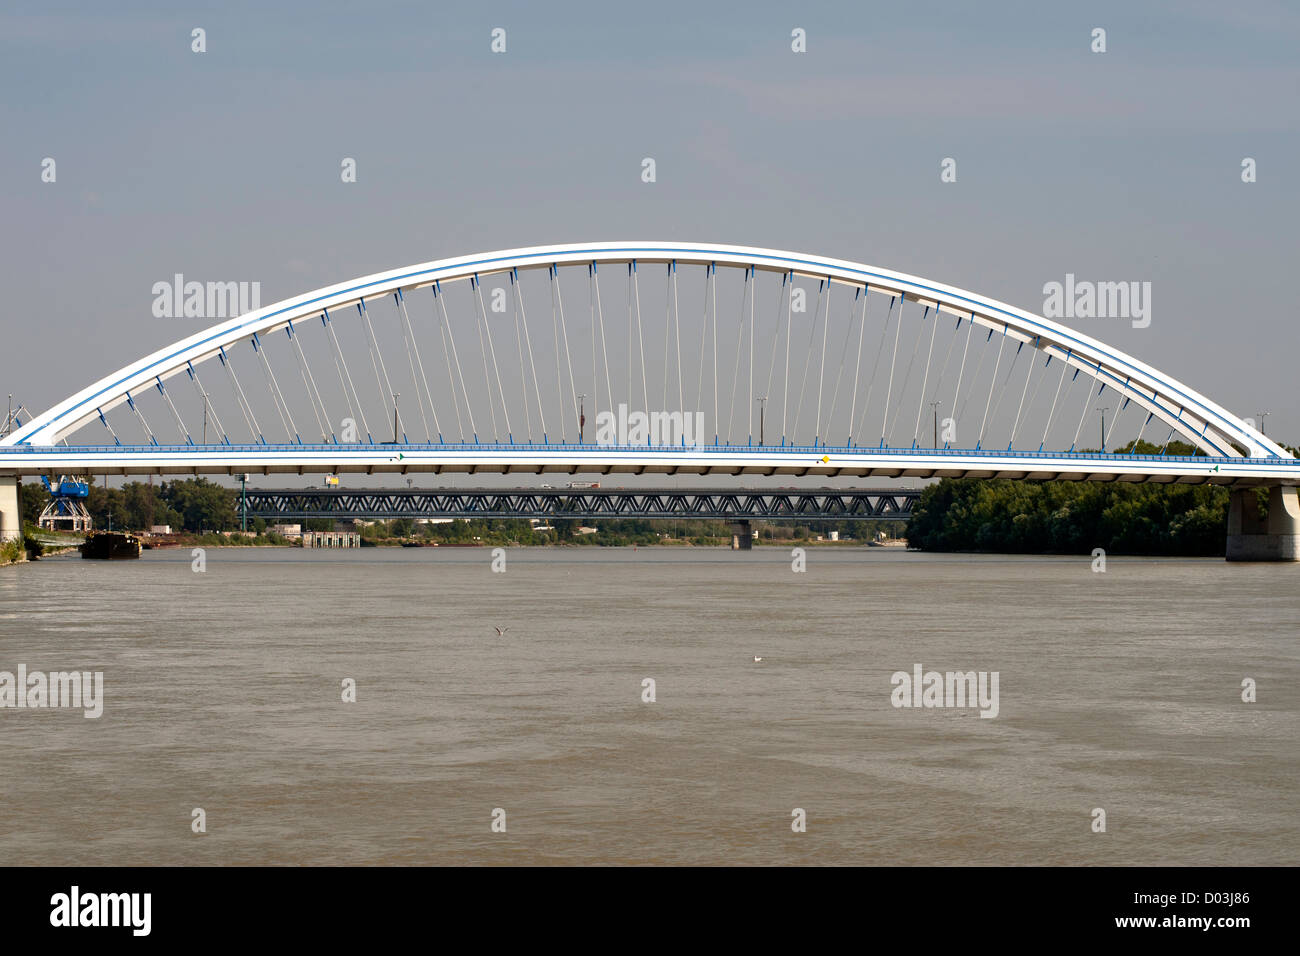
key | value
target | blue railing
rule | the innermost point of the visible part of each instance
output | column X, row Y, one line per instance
column 366, row 448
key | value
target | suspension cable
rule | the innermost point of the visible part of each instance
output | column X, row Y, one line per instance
column 309, row 383
column 391, row 396
column 440, row 299
column 207, row 403
column 1087, row 400
column 185, row 432
column 844, row 352
column 956, row 392
column 1065, row 366
column 740, row 340
column 419, row 361
column 604, row 342
column 1023, row 392
column 1005, row 382
column 277, row 397
column 807, row 362
column 147, row 430
column 568, row 357
column 487, row 329
column 517, row 286
column 889, row 391
column 925, row 380
column 857, row 366
column 523, row 369
column 244, row 405
column 907, row 378
column 355, row 408
column 875, row 367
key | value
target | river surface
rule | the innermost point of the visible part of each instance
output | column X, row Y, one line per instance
column 1118, row 691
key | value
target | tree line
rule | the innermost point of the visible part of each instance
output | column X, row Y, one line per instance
column 1067, row 517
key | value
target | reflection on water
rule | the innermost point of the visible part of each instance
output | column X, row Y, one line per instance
column 223, row 691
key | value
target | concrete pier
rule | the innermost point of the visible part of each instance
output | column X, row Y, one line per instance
column 11, row 515
column 742, row 536
column 1253, row 538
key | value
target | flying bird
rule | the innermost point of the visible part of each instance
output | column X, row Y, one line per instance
column 501, row 631
column 758, row 660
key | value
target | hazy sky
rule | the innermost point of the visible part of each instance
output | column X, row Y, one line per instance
column 225, row 165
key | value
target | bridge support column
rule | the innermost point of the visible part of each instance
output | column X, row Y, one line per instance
column 11, row 515
column 1275, row 538
column 742, row 536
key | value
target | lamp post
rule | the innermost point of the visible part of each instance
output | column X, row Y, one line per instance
column 582, row 417
column 1103, row 409
column 762, row 416
column 1262, row 416
column 935, row 406
column 396, row 396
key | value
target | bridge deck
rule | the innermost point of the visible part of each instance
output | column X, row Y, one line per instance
column 572, row 459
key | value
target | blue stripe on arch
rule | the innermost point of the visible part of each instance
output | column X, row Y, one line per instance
column 630, row 250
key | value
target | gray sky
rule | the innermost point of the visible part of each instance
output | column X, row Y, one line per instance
column 225, row 165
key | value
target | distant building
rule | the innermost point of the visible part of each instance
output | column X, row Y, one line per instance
column 331, row 539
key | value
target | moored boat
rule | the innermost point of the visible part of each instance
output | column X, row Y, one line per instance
column 111, row 546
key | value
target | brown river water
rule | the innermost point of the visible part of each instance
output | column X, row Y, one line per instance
column 222, row 690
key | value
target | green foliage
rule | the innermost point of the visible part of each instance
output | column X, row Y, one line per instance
column 34, row 500
column 190, row 504
column 1030, row 517
column 1174, row 448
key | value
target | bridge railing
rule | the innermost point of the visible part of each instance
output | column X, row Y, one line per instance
column 589, row 447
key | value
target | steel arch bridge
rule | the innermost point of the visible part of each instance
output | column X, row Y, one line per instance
column 691, row 358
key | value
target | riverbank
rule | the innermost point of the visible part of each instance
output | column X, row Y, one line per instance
column 12, row 552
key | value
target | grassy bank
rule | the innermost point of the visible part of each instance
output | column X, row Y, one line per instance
column 11, row 552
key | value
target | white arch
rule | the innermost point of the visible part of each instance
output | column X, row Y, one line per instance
column 1185, row 410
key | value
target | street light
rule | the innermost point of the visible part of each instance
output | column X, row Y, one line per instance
column 396, row 396
column 582, row 416
column 935, row 406
column 1103, row 410
column 762, row 416
column 1262, row 416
